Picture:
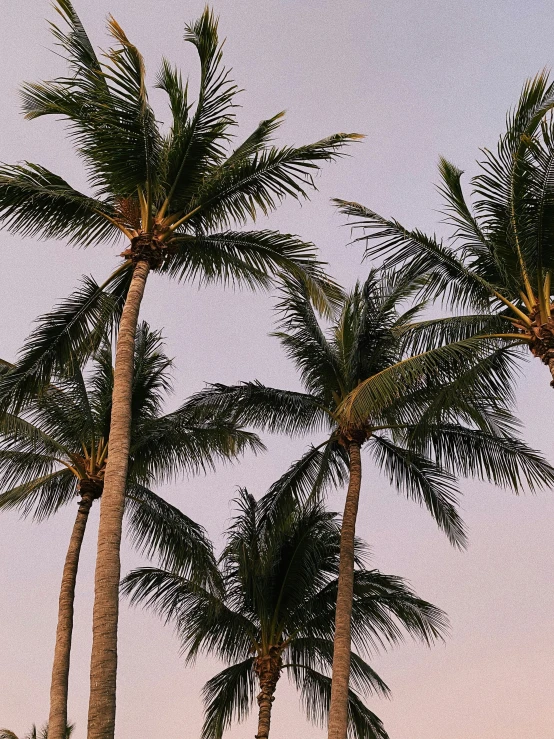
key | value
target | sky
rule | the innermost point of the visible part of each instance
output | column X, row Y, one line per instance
column 420, row 80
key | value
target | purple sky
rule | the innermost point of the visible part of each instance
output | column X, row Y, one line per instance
column 420, row 79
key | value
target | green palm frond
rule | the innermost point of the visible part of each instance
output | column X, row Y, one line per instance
column 319, row 469
column 228, row 697
column 447, row 274
column 249, row 258
column 266, row 408
column 422, row 336
column 316, row 653
column 375, row 393
column 158, row 529
column 72, row 330
column 315, row 691
column 204, row 623
column 37, row 202
column 505, row 460
column 197, row 141
column 234, row 192
column 425, row 482
column 42, row 496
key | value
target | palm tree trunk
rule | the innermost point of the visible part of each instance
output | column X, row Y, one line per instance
column 57, row 721
column 103, row 665
column 338, row 712
column 268, row 670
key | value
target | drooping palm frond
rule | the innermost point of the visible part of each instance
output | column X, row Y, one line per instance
column 315, row 691
column 156, row 528
column 71, row 332
column 266, row 408
column 228, row 697
column 424, row 481
column 37, row 202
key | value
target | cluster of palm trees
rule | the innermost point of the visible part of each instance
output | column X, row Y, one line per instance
column 426, row 400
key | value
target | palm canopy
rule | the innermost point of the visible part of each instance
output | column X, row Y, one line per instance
column 422, row 418
column 499, row 258
column 57, row 448
column 276, row 614
column 175, row 193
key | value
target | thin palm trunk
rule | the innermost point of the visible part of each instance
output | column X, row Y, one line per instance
column 57, row 722
column 338, row 712
column 103, row 666
column 268, row 669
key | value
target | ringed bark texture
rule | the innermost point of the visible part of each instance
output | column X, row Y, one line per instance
column 103, row 666
column 57, row 721
column 268, row 669
column 338, row 712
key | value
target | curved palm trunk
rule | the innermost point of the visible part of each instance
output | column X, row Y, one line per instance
column 103, row 665
column 57, row 721
column 268, row 670
column 338, row 712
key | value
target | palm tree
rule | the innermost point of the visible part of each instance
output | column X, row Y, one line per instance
column 421, row 418
column 499, row 260
column 56, row 450
column 33, row 734
column 275, row 615
column 174, row 197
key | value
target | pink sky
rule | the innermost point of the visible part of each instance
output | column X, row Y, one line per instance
column 420, row 79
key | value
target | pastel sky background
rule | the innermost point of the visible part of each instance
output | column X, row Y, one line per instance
column 420, row 79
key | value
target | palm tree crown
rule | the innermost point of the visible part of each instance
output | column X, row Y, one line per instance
column 275, row 614
column 423, row 420
column 56, row 450
column 499, row 259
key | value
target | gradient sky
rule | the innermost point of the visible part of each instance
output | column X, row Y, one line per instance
column 420, row 79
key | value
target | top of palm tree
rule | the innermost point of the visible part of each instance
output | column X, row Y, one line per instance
column 144, row 179
column 277, row 606
column 500, row 246
column 428, row 401
column 57, row 448
column 175, row 194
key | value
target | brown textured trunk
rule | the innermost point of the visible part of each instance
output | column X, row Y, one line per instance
column 338, row 712
column 103, row 665
column 541, row 340
column 57, row 721
column 268, row 669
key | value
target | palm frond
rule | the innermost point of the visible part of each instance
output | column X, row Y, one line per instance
column 425, row 482
column 72, row 330
column 158, row 529
column 447, row 274
column 37, row 202
column 234, row 192
column 42, row 496
column 315, row 691
column 264, row 408
column 228, row 696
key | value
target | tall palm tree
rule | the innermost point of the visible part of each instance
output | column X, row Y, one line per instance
column 56, row 450
column 275, row 615
column 173, row 196
column 499, row 260
column 421, row 418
